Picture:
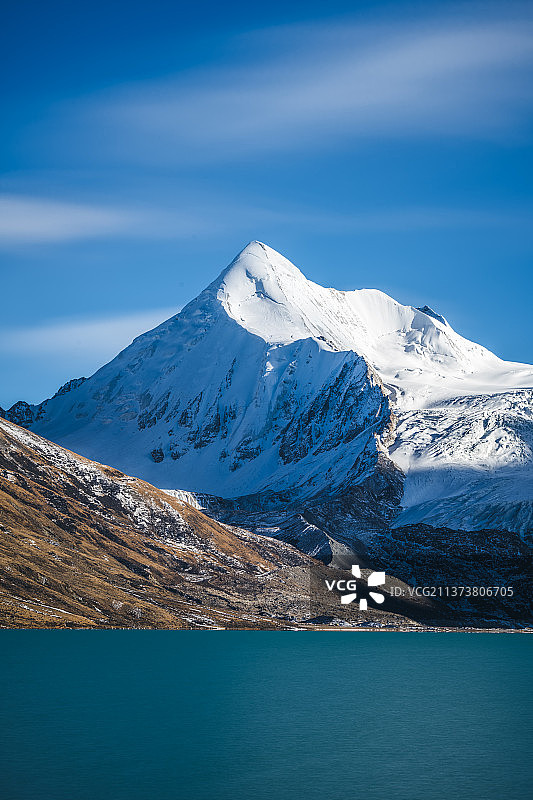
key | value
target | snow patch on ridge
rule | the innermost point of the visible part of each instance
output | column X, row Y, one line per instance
column 268, row 383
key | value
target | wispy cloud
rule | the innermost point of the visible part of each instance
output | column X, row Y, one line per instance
column 315, row 88
column 40, row 358
column 31, row 220
column 98, row 339
column 416, row 218
column 39, row 220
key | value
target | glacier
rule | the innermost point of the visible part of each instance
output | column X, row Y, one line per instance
column 321, row 414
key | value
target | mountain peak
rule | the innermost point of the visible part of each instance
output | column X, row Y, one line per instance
column 267, row 295
column 262, row 290
column 254, row 247
column 258, row 260
column 272, row 386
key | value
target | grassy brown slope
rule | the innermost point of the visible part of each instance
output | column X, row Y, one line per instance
column 82, row 544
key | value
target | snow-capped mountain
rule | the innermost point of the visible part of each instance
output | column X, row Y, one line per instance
column 269, row 386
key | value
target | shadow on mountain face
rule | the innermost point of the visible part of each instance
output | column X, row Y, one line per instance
column 459, row 593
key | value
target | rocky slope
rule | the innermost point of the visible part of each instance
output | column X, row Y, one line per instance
column 319, row 416
column 83, row 545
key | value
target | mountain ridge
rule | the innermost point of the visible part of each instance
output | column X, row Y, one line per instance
column 268, row 385
column 83, row 545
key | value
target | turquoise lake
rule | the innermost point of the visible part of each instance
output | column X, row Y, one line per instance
column 144, row 715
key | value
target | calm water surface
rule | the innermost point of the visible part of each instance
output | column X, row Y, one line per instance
column 197, row 715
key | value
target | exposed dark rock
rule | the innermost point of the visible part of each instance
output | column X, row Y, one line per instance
column 69, row 386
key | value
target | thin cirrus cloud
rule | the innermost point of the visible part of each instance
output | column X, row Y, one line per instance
column 404, row 219
column 42, row 357
column 100, row 339
column 307, row 88
column 31, row 220
column 38, row 220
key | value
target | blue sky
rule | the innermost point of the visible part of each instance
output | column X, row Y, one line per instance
column 144, row 144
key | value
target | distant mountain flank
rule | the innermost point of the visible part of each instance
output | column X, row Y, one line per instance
column 320, row 416
column 83, row 545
